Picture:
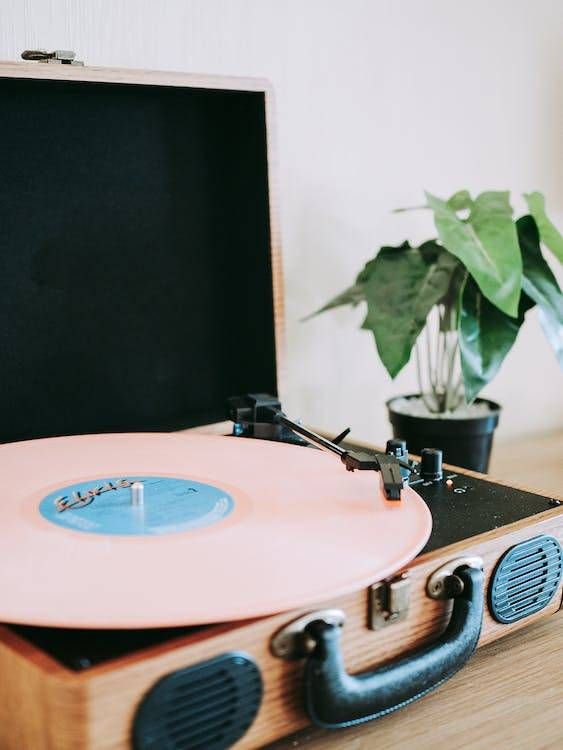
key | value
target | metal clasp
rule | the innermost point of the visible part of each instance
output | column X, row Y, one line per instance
column 58, row 56
column 444, row 584
column 389, row 601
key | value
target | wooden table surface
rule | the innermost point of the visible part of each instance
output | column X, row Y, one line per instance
column 536, row 463
column 510, row 695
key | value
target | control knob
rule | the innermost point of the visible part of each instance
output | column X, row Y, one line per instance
column 431, row 464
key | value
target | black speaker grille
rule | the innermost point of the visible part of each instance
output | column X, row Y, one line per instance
column 526, row 579
column 205, row 707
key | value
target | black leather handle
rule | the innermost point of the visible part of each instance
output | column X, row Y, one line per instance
column 336, row 699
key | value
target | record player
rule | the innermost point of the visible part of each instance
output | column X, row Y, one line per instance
column 169, row 579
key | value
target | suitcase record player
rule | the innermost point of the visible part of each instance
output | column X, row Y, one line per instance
column 183, row 564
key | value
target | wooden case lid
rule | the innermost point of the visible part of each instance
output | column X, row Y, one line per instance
column 140, row 279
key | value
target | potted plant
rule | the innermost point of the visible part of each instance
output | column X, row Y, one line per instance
column 458, row 301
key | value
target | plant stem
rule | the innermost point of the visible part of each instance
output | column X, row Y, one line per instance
column 419, row 376
column 458, row 389
column 432, row 384
column 451, row 364
column 439, row 353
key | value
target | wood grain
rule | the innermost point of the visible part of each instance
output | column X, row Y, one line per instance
column 537, row 463
column 95, row 709
column 508, row 697
column 129, row 76
column 275, row 241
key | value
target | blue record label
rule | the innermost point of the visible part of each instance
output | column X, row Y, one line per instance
column 109, row 506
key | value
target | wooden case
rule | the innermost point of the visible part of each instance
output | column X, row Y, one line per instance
column 140, row 249
column 45, row 705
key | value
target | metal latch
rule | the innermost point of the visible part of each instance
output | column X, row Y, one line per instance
column 389, row 601
column 58, row 56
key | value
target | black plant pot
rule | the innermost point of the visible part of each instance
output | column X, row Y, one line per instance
column 465, row 442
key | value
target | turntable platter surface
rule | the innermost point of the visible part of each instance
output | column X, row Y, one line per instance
column 142, row 530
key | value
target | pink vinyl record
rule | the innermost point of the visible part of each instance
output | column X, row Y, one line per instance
column 153, row 530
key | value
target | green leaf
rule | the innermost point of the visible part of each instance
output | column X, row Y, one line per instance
column 549, row 233
column 539, row 283
column 351, row 296
column 430, row 250
column 553, row 332
column 486, row 335
column 486, row 244
column 355, row 293
column 400, row 291
column 460, row 200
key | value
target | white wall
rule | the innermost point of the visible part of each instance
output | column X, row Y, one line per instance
column 377, row 100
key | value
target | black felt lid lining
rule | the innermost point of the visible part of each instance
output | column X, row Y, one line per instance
column 135, row 271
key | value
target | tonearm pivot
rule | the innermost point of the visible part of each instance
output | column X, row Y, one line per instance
column 254, row 411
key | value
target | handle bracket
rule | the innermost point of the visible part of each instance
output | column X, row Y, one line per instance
column 294, row 642
column 439, row 585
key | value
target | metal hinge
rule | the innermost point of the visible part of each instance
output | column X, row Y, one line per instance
column 58, row 56
column 389, row 601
